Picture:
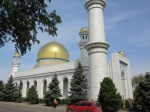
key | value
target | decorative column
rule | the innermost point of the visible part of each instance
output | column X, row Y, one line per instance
column 16, row 63
column 96, row 47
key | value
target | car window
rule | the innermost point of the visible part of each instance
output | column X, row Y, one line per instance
column 96, row 104
column 77, row 104
column 88, row 104
column 83, row 104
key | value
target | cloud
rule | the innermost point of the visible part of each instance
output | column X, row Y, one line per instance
column 118, row 18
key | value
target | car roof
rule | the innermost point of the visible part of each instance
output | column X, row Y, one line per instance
column 87, row 101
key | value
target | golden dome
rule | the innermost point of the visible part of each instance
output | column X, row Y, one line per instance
column 84, row 29
column 16, row 54
column 122, row 53
column 53, row 50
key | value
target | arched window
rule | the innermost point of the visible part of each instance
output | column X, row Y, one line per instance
column 122, row 74
column 35, row 85
column 21, row 86
column 44, row 86
column 65, row 87
column 28, row 84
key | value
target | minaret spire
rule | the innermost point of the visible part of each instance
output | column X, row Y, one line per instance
column 96, row 47
column 84, row 40
column 16, row 63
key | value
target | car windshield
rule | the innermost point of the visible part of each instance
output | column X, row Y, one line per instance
column 96, row 104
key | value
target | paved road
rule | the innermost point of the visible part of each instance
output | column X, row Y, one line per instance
column 25, row 107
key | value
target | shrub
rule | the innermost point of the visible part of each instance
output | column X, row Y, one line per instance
column 142, row 94
column 127, row 104
column 63, row 101
column 108, row 97
column 24, row 99
column 122, row 104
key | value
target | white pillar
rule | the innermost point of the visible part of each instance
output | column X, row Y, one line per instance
column 96, row 47
column 24, row 88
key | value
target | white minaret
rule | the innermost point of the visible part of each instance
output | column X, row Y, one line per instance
column 15, row 63
column 84, row 40
column 97, row 47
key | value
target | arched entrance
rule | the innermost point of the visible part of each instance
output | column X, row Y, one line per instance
column 35, row 85
column 44, row 86
column 20, row 86
column 65, row 87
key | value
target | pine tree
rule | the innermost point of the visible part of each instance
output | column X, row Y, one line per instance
column 108, row 97
column 18, row 94
column 10, row 90
column 142, row 93
column 32, row 96
column 1, row 90
column 78, row 85
column 54, row 92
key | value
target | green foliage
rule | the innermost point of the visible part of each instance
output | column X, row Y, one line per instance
column 32, row 96
column 1, row 90
column 137, row 79
column 53, row 92
column 127, row 104
column 24, row 99
column 65, row 101
column 122, row 104
column 108, row 97
column 41, row 100
column 10, row 90
column 18, row 94
column 21, row 19
column 142, row 94
column 134, row 106
column 1, row 85
column 78, row 85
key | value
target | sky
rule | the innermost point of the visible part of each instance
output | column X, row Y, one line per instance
column 127, row 28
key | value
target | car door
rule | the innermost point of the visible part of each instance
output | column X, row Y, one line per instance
column 82, row 107
column 77, row 107
column 88, row 106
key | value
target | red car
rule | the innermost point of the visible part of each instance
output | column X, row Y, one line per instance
column 84, row 106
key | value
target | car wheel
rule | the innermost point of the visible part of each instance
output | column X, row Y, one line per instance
column 69, row 110
column 88, row 111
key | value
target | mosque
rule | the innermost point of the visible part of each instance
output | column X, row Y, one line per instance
column 53, row 58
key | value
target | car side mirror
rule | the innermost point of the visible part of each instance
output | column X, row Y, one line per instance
column 74, row 105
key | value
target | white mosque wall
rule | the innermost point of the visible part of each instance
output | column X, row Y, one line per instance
column 63, row 71
column 40, row 71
